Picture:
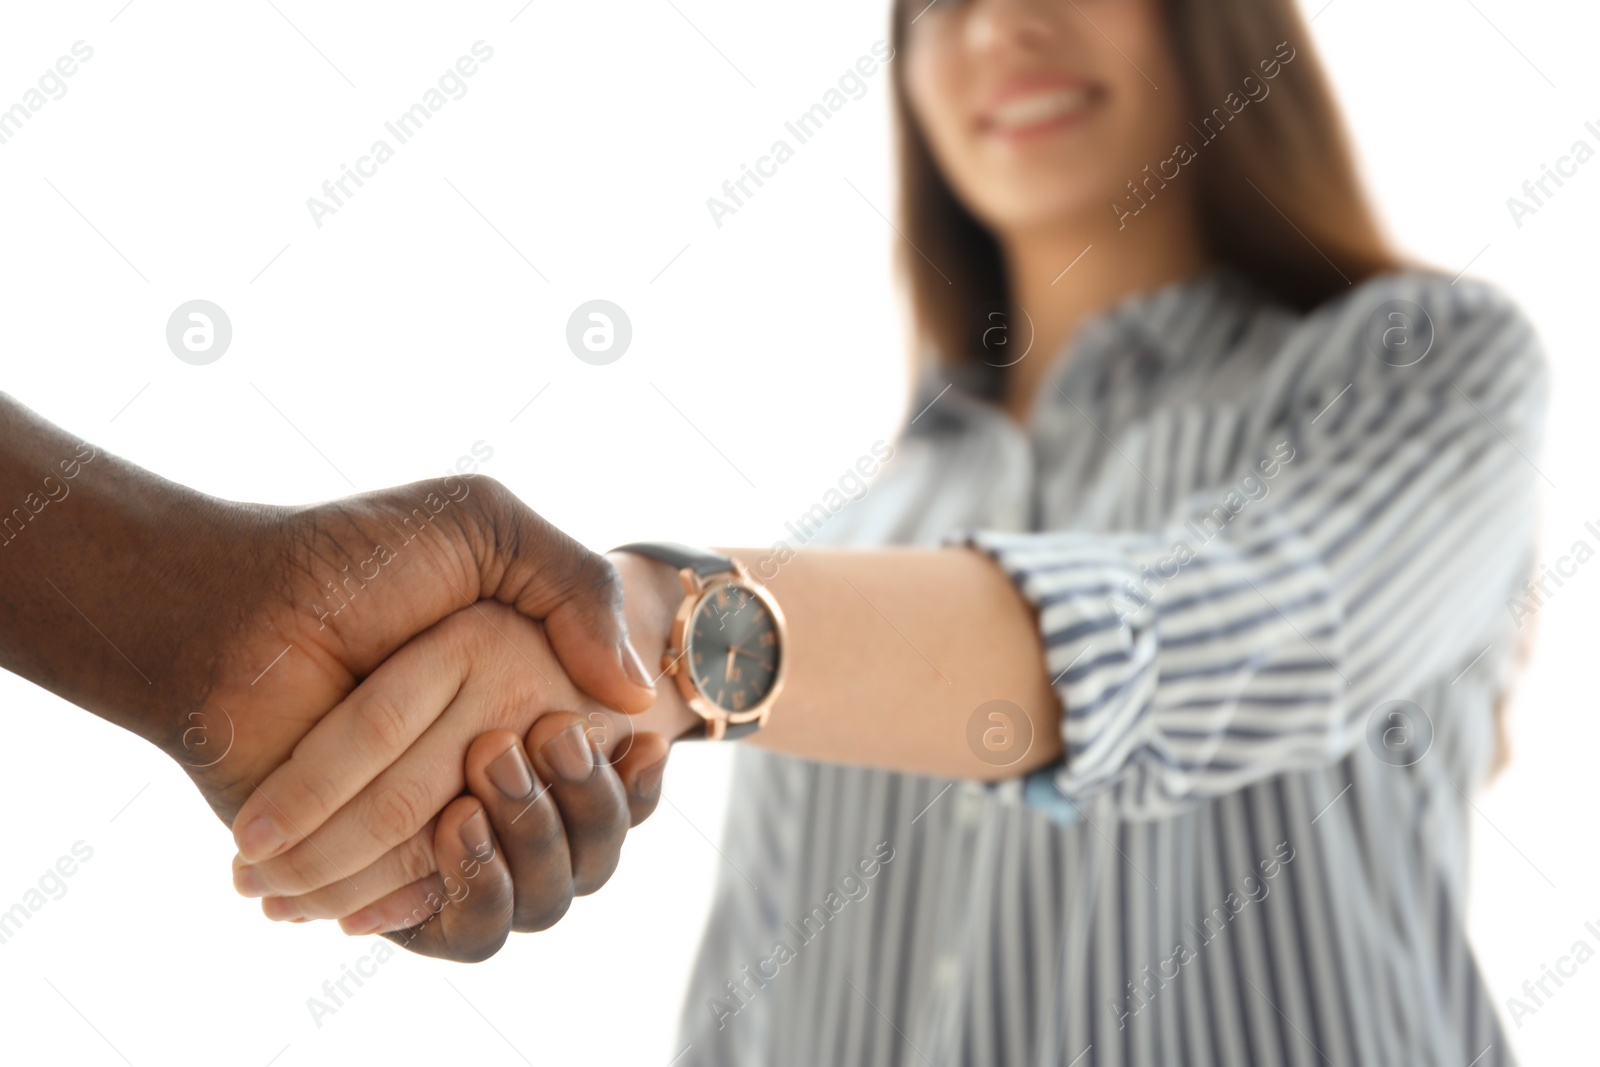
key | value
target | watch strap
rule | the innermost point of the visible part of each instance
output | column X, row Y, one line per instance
column 702, row 561
column 734, row 731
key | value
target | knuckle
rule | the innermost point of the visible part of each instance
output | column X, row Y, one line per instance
column 298, row 871
column 457, row 628
column 600, row 829
column 400, row 808
column 492, row 488
column 488, row 507
column 600, row 579
column 415, row 857
column 470, row 635
column 384, row 723
column 567, row 564
column 599, row 572
column 321, row 906
column 539, row 829
column 317, row 792
column 330, row 902
column 514, row 532
column 603, row 822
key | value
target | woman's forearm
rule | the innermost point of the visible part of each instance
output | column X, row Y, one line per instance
column 919, row 660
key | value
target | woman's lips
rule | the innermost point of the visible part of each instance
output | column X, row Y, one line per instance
column 1036, row 112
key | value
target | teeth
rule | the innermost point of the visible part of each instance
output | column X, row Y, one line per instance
column 1039, row 107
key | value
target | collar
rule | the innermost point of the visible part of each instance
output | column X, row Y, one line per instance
column 1173, row 320
column 1158, row 327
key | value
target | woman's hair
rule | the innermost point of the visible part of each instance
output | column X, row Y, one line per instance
column 1276, row 189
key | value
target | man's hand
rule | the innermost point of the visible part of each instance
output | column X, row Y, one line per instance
column 222, row 632
column 352, row 582
column 528, row 880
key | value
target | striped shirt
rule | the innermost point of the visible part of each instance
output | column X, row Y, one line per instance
column 1271, row 555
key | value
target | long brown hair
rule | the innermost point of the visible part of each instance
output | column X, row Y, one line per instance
column 1294, row 152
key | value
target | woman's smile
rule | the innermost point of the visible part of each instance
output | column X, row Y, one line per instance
column 1039, row 106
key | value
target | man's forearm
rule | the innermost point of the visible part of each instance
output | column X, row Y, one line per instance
column 104, row 576
column 919, row 660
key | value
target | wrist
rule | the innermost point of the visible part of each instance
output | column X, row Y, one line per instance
column 200, row 574
column 152, row 584
column 652, row 595
column 213, row 568
column 120, row 586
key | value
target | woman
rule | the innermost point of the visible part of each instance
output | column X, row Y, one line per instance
column 1256, row 492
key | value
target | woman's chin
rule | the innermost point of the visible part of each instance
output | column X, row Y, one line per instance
column 1035, row 211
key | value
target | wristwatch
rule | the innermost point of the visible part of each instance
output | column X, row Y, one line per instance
column 726, row 652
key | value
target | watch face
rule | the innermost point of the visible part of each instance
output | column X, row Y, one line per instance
column 733, row 648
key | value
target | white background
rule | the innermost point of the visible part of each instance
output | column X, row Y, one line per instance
column 416, row 322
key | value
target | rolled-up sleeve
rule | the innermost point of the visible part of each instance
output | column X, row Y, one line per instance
column 1366, row 548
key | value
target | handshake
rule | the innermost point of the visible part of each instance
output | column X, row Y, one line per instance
column 420, row 709
column 464, row 789
column 448, row 787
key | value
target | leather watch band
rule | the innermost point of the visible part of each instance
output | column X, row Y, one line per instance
column 734, row 731
column 702, row 561
column 737, row 730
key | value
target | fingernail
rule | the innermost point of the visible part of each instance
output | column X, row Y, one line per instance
column 647, row 783
column 248, row 882
column 282, row 909
column 259, row 839
column 569, row 754
column 511, row 774
column 474, row 834
column 634, row 667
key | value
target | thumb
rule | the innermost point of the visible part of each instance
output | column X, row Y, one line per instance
column 546, row 575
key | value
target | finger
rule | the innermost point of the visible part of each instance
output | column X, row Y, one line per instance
column 545, row 574
column 528, row 825
column 526, row 821
column 462, row 913
column 594, row 809
column 353, row 743
column 640, row 770
column 638, row 758
column 392, row 807
column 409, row 862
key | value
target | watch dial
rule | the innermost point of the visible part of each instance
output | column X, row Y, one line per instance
column 733, row 648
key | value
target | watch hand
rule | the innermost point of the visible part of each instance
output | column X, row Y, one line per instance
column 727, row 674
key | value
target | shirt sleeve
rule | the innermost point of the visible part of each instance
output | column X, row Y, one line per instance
column 1370, row 548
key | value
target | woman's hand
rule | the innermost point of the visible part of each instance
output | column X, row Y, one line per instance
column 363, row 788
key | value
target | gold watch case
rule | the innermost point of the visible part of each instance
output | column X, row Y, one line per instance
column 696, row 591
